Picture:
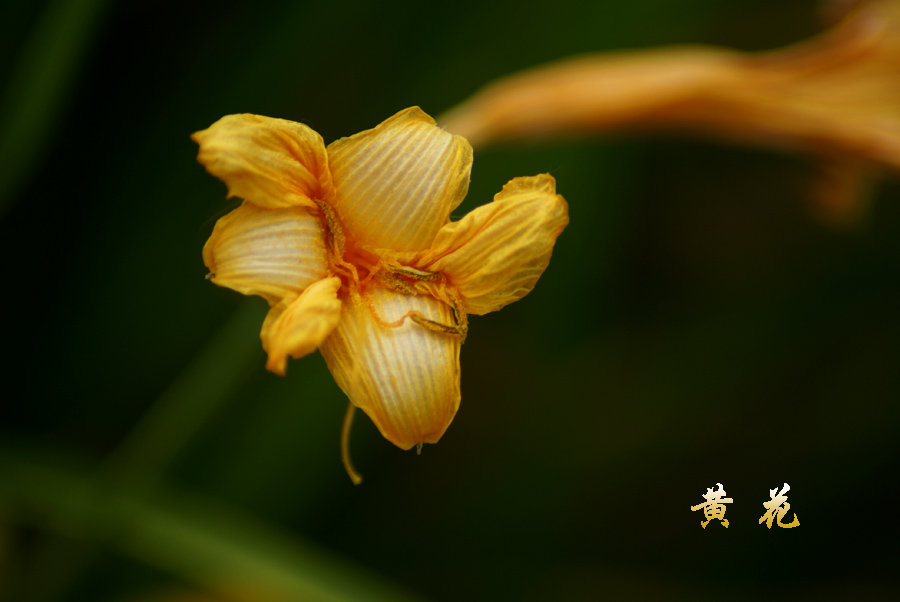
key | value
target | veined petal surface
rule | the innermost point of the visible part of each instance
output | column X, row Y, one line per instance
column 396, row 184
column 272, row 162
column 298, row 324
column 272, row 253
column 496, row 253
column 405, row 378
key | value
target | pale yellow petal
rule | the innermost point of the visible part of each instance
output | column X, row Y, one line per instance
column 396, row 184
column 272, row 253
column 272, row 162
column 496, row 253
column 405, row 378
column 298, row 325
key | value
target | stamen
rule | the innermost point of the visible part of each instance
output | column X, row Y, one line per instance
column 450, row 296
column 372, row 273
column 404, row 270
column 349, row 268
column 334, row 227
column 459, row 315
column 345, row 445
column 395, row 283
column 421, row 320
column 374, row 270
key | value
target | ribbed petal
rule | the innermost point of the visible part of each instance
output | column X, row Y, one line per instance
column 496, row 253
column 272, row 162
column 268, row 252
column 298, row 325
column 396, row 184
column 405, row 378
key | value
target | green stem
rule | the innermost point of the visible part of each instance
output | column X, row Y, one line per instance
column 208, row 382
column 32, row 99
column 208, row 544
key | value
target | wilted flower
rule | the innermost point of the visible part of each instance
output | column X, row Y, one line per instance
column 353, row 248
column 836, row 96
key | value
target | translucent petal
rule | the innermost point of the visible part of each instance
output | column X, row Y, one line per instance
column 396, row 184
column 298, row 324
column 405, row 378
column 268, row 252
column 272, row 162
column 496, row 253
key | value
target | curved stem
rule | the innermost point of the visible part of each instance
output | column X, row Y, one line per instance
column 345, row 445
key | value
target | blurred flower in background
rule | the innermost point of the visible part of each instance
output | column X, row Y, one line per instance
column 836, row 96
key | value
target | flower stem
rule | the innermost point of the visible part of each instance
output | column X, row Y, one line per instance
column 37, row 90
column 345, row 445
column 176, row 416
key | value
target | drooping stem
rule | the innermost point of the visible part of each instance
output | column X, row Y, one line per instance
column 345, row 445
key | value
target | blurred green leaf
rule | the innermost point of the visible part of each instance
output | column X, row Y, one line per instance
column 45, row 70
column 206, row 383
column 206, row 543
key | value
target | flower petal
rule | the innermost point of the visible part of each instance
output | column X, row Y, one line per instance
column 298, row 325
column 587, row 93
column 268, row 252
column 396, row 184
column 496, row 253
column 272, row 162
column 405, row 378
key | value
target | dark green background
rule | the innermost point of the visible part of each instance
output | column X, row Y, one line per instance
column 696, row 326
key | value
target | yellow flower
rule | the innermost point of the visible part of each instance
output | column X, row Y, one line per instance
column 836, row 96
column 353, row 248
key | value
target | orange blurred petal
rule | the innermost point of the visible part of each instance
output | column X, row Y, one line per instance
column 406, row 378
column 272, row 162
column 836, row 95
column 396, row 184
column 267, row 252
column 589, row 93
column 839, row 91
column 496, row 253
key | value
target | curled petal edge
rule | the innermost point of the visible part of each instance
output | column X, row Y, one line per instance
column 298, row 325
column 272, row 162
column 496, row 254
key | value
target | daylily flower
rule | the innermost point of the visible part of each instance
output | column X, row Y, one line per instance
column 353, row 248
column 836, row 96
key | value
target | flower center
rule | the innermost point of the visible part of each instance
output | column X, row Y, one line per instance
column 359, row 268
